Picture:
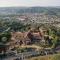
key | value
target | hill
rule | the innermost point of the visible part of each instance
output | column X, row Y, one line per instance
column 20, row 10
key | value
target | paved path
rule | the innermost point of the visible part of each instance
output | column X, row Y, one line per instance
column 31, row 46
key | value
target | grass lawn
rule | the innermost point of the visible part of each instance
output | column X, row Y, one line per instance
column 48, row 57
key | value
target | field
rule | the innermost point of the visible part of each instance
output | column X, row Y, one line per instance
column 49, row 57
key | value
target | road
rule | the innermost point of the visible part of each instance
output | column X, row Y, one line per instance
column 31, row 46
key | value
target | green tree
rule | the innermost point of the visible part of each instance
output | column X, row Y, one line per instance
column 4, row 39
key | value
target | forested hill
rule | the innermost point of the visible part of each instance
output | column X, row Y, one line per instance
column 20, row 10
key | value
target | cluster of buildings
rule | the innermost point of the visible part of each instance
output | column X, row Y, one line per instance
column 30, row 37
column 38, row 18
column 27, row 38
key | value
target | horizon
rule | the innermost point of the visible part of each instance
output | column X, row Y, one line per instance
column 26, row 6
column 29, row 3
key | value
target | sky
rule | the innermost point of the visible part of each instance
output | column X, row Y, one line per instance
column 10, row 3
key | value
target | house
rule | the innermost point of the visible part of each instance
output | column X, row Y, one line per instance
column 17, row 37
column 35, row 35
column 30, row 37
column 20, row 38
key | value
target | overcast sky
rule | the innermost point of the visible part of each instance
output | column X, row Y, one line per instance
column 9, row 3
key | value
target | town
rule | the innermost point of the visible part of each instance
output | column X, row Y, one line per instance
column 26, row 36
